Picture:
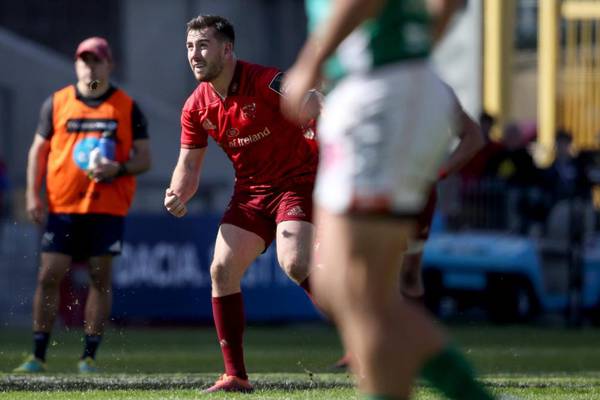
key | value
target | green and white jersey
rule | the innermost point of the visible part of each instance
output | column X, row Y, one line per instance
column 402, row 31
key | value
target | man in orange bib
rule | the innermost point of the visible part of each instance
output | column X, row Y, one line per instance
column 90, row 142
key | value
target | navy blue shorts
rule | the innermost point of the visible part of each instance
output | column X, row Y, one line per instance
column 83, row 235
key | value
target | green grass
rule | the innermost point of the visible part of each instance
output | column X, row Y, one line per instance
column 291, row 362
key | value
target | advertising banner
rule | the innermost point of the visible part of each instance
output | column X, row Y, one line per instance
column 163, row 275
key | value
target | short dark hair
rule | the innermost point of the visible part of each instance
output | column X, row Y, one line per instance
column 486, row 117
column 563, row 134
column 223, row 28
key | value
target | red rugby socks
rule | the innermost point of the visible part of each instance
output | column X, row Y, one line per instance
column 228, row 313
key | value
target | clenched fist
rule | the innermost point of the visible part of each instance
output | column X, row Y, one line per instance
column 173, row 204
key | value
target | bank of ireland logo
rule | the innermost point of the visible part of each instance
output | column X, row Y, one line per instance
column 82, row 149
column 232, row 132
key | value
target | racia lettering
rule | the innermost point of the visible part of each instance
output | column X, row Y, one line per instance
column 245, row 141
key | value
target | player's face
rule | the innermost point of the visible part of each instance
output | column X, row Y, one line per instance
column 206, row 54
column 88, row 68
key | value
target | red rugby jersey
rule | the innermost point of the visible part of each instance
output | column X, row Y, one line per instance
column 267, row 151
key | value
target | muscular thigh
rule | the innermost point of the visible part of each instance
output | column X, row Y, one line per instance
column 363, row 253
column 294, row 241
column 53, row 267
column 295, row 231
column 236, row 248
column 100, row 269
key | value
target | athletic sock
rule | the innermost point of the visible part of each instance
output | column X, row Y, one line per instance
column 450, row 373
column 91, row 345
column 228, row 313
column 40, row 344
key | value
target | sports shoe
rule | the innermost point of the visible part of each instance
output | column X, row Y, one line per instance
column 87, row 366
column 343, row 363
column 31, row 365
column 228, row 383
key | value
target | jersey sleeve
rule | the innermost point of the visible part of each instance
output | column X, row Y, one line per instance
column 270, row 85
column 139, row 123
column 45, row 127
column 193, row 136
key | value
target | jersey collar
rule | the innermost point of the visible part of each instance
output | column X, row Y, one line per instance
column 234, row 85
column 94, row 101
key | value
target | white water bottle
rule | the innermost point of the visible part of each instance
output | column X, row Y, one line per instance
column 94, row 159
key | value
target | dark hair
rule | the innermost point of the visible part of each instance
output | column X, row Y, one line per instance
column 486, row 117
column 563, row 135
column 223, row 28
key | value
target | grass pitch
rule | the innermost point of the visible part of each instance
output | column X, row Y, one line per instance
column 291, row 362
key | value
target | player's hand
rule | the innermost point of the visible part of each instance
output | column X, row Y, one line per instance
column 35, row 208
column 299, row 80
column 173, row 204
column 106, row 169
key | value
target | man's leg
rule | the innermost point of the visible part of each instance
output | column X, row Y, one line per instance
column 360, row 285
column 391, row 338
column 411, row 282
column 411, row 288
column 98, row 304
column 52, row 270
column 294, row 246
column 235, row 250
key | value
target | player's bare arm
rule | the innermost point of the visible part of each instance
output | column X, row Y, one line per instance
column 442, row 11
column 311, row 109
column 305, row 73
column 36, row 170
column 471, row 141
column 185, row 180
column 141, row 159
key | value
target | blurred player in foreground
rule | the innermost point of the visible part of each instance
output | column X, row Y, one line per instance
column 238, row 105
column 88, row 193
column 383, row 136
column 411, row 278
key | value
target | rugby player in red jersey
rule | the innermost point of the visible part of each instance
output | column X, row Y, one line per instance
column 238, row 105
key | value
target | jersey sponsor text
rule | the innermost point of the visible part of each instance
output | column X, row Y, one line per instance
column 244, row 141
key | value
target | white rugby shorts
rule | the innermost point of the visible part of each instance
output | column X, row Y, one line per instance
column 383, row 137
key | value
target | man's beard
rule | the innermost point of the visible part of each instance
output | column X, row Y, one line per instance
column 212, row 71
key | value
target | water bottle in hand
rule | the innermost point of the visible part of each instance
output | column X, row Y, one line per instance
column 108, row 145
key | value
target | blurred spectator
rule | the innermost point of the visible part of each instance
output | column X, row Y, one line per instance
column 590, row 162
column 467, row 204
column 566, row 177
column 3, row 190
column 512, row 163
column 513, row 166
column 569, row 190
column 475, row 168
